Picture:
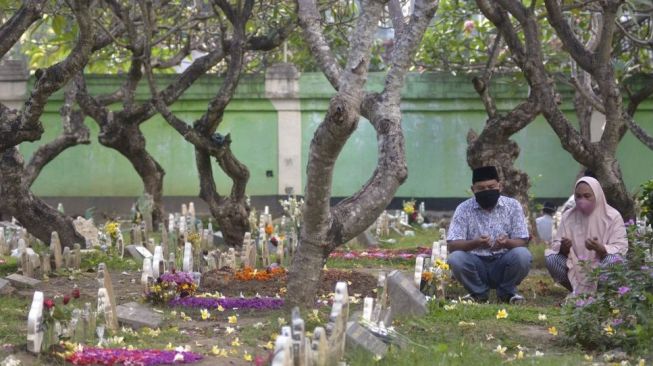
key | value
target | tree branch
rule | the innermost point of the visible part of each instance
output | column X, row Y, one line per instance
column 74, row 132
column 404, row 49
column 26, row 125
column 588, row 95
column 15, row 27
column 575, row 48
column 309, row 20
column 639, row 132
column 482, row 83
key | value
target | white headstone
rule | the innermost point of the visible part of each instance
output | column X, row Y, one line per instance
column 188, row 258
column 104, row 308
column 158, row 262
column 283, row 351
column 171, row 223
column 120, row 242
column 34, row 323
column 147, row 271
column 419, row 268
column 435, row 251
column 191, row 210
column 337, row 326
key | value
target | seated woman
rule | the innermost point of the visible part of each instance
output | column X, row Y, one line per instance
column 592, row 231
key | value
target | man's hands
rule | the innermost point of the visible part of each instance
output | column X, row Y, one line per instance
column 483, row 242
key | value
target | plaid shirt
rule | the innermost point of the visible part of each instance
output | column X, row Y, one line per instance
column 470, row 221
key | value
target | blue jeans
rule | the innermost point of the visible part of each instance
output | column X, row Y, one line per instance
column 502, row 272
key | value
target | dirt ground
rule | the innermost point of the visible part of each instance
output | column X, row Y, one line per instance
column 221, row 280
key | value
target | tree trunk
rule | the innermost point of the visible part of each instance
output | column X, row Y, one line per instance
column 230, row 212
column 306, row 271
column 502, row 153
column 35, row 215
column 129, row 141
column 325, row 227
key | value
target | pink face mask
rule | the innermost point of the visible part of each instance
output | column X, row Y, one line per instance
column 585, row 206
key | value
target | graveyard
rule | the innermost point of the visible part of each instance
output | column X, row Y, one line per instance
column 287, row 183
column 387, row 297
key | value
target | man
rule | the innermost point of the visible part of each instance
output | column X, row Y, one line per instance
column 544, row 223
column 487, row 241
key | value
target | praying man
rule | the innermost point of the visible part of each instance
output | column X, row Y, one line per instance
column 487, row 241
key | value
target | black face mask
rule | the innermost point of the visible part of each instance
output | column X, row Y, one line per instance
column 487, row 199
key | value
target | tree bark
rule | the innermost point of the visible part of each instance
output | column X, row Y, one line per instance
column 36, row 216
column 231, row 212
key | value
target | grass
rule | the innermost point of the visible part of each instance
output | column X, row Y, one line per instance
column 13, row 327
column 92, row 259
column 439, row 338
column 10, row 266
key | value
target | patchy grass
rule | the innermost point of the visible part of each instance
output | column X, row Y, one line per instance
column 92, row 259
column 383, row 264
column 13, row 327
column 465, row 334
column 10, row 266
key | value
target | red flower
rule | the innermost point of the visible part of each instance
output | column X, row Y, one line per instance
column 48, row 303
column 274, row 241
column 66, row 299
column 76, row 293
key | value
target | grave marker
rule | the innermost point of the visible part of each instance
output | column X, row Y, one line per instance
column 419, row 268
column 319, row 347
column 187, row 265
column 405, row 298
column 55, row 248
column 104, row 309
column 172, row 263
column 21, row 281
column 77, row 256
column 35, row 324
column 138, row 315
column 4, row 248
column 104, row 279
column 158, row 264
column 46, row 267
column 283, row 351
column 147, row 271
column 336, row 328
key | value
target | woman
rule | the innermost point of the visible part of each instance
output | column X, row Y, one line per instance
column 591, row 231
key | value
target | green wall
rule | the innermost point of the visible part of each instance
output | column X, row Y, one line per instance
column 438, row 111
column 93, row 170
